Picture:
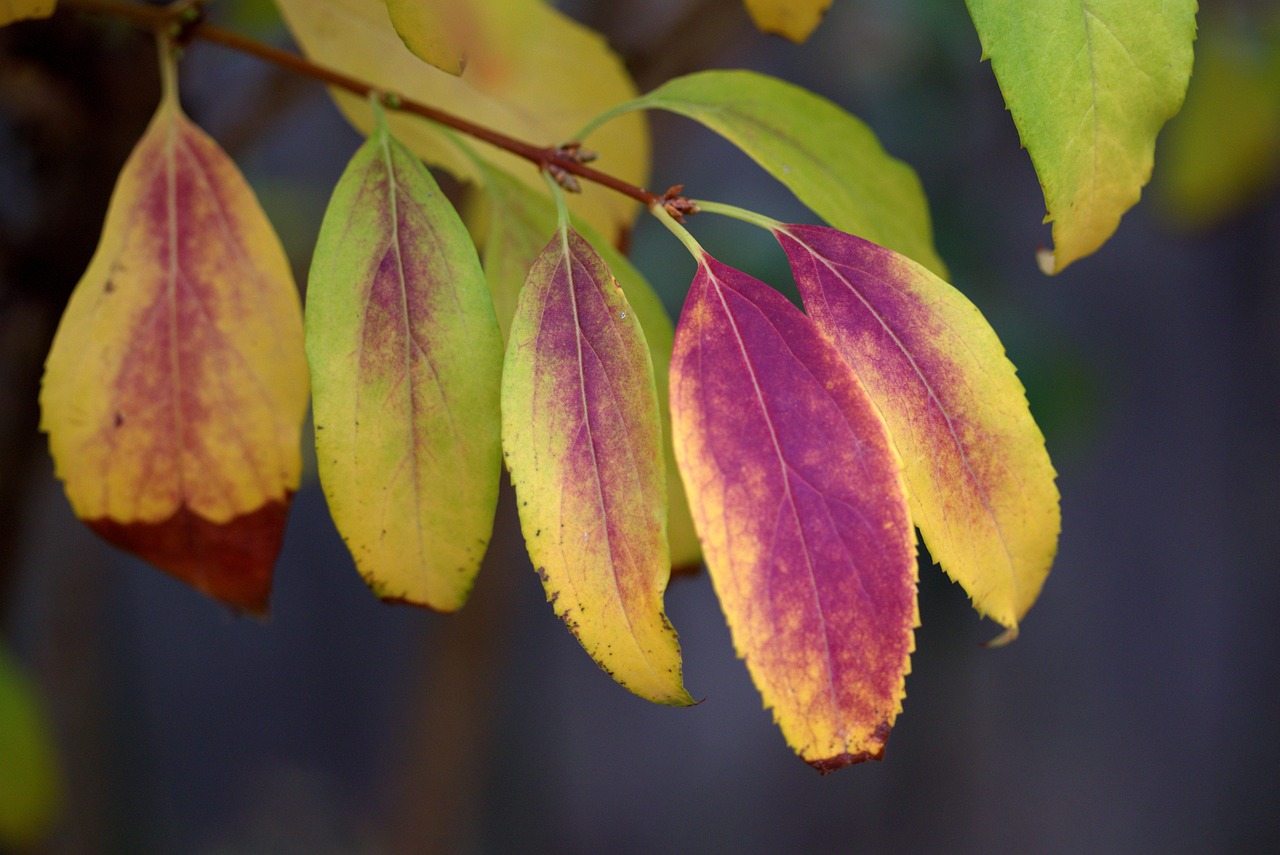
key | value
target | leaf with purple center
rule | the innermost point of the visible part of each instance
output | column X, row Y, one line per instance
column 583, row 442
column 405, row 357
column 798, row 497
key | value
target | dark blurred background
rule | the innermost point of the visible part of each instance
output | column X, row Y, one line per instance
column 1138, row 712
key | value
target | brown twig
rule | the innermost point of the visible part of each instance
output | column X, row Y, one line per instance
column 185, row 21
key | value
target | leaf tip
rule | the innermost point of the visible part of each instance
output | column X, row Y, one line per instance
column 875, row 751
column 1047, row 260
column 1009, row 635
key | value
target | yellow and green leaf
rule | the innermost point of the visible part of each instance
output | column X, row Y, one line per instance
column 1089, row 83
column 406, row 359
column 21, row 10
column 176, row 387
column 519, row 219
column 829, row 159
column 794, row 19
column 980, row 482
column 582, row 439
column 30, row 784
column 531, row 72
column 798, row 496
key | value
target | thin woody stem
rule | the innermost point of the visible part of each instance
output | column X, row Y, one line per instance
column 178, row 18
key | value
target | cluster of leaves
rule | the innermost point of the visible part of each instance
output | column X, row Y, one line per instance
column 797, row 451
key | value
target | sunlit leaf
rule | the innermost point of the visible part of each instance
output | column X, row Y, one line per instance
column 1089, row 85
column 30, row 786
column 19, row 10
column 1222, row 152
column 519, row 220
column 980, row 482
column 830, row 160
column 176, row 387
column 531, row 72
column 799, row 499
column 582, row 439
column 795, row 19
column 434, row 30
column 406, row 359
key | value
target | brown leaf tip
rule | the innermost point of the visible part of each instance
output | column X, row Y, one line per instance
column 879, row 737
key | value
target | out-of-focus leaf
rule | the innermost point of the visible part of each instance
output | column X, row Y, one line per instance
column 1223, row 150
column 795, row 19
column 434, row 30
column 830, row 160
column 21, row 10
column 980, row 481
column 582, row 439
column 406, row 361
column 799, row 499
column 519, row 220
column 531, row 72
column 1089, row 85
column 30, row 786
column 176, row 388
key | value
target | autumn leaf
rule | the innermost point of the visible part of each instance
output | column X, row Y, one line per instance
column 435, row 31
column 1089, row 85
column 532, row 73
column 795, row 19
column 979, row 479
column 30, row 785
column 20, row 10
column 581, row 437
column 830, row 160
column 799, row 499
column 176, row 387
column 519, row 220
column 405, row 358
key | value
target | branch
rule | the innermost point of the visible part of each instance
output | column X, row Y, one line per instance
column 184, row 19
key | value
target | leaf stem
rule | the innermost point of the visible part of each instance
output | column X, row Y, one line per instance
column 766, row 223
column 177, row 18
column 690, row 243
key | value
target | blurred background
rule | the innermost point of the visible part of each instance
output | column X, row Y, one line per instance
column 1138, row 712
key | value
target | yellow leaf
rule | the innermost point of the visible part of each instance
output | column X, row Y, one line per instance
column 20, row 10
column 176, row 387
column 531, row 72
column 795, row 19
column 433, row 31
column 30, row 785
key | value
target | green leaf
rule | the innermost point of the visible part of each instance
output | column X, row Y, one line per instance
column 582, row 439
column 519, row 219
column 30, row 787
column 406, row 359
column 1222, row 152
column 830, row 160
column 1089, row 85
